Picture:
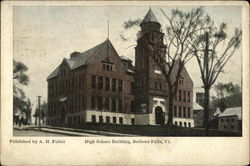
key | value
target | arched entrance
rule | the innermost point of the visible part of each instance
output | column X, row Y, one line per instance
column 159, row 115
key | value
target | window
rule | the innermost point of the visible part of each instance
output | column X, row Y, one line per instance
column 99, row 103
column 100, row 119
column 120, row 105
column 100, row 82
column 93, row 102
column 181, row 81
column 221, row 120
column 79, row 83
column 121, row 120
column 103, row 66
column 176, row 96
column 114, row 119
column 132, row 121
column 160, row 85
column 179, row 95
column 188, row 99
column 180, row 112
column 188, row 113
column 107, row 83
column 120, row 85
column 132, row 106
column 107, row 119
column 184, row 95
column 114, row 85
column 93, row 81
column 184, row 112
column 175, row 111
column 114, row 105
column 107, row 103
column 142, row 81
column 180, row 124
column 189, row 124
column 185, row 124
column 93, row 119
column 76, row 83
column 156, row 85
column 225, row 127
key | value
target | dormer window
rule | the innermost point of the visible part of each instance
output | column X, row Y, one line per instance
column 63, row 72
column 107, row 65
column 181, row 81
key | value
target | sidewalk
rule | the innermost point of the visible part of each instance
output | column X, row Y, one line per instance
column 82, row 132
column 72, row 131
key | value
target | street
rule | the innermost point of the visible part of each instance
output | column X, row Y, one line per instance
column 50, row 131
column 35, row 133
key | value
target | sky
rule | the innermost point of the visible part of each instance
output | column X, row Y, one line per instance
column 44, row 35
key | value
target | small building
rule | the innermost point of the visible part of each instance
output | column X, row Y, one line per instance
column 230, row 120
column 198, row 112
column 200, row 98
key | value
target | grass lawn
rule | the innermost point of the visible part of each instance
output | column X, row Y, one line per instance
column 153, row 130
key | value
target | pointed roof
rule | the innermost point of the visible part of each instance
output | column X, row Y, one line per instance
column 232, row 111
column 85, row 57
column 150, row 17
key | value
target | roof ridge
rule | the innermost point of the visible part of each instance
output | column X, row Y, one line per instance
column 100, row 46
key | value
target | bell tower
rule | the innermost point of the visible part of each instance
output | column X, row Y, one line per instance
column 150, row 84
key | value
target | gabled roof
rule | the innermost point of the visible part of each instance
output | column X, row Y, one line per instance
column 150, row 17
column 85, row 57
column 125, row 58
column 232, row 111
column 197, row 106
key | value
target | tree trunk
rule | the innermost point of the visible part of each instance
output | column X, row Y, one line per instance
column 206, row 110
column 36, row 120
column 170, row 106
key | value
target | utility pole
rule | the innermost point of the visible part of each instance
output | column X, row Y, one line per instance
column 39, row 112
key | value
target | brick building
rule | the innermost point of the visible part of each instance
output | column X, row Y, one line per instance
column 230, row 120
column 99, row 86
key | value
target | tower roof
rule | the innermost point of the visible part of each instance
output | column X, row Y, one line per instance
column 150, row 17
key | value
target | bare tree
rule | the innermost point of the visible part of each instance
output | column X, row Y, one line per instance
column 181, row 31
column 212, row 50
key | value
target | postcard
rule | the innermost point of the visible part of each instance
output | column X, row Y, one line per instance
column 124, row 83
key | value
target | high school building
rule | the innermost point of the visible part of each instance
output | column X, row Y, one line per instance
column 99, row 86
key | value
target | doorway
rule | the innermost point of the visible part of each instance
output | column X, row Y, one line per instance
column 159, row 116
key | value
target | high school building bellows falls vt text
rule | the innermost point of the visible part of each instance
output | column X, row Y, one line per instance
column 99, row 86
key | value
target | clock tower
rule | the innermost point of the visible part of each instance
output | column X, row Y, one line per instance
column 150, row 84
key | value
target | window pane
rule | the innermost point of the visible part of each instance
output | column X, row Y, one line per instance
column 100, row 82
column 114, row 84
column 93, row 119
column 120, row 85
column 93, row 102
column 107, row 83
column 121, row 120
column 114, row 119
column 107, row 103
column 114, row 105
column 93, row 81
column 99, row 103
column 120, row 105
column 180, row 112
